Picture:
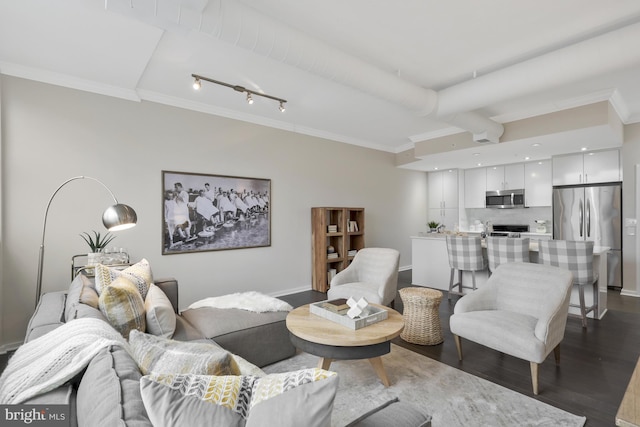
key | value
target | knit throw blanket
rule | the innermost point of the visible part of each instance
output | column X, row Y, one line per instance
column 250, row 301
column 49, row 361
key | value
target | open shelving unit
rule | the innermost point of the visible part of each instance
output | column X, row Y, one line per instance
column 339, row 228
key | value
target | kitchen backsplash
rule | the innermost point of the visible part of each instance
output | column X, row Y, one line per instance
column 526, row 216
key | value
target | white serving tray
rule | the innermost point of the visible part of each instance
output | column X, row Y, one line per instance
column 374, row 315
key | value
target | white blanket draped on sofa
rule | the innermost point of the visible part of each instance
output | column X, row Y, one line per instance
column 250, row 301
column 51, row 360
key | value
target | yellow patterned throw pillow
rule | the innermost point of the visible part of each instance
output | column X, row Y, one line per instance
column 239, row 393
column 122, row 305
column 158, row 354
column 139, row 274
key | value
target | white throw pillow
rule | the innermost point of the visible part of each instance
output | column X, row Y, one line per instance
column 161, row 317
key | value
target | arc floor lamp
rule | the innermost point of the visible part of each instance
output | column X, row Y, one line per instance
column 116, row 217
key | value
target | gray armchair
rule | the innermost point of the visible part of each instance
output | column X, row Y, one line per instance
column 521, row 311
column 373, row 274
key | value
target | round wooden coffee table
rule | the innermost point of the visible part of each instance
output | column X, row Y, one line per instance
column 332, row 341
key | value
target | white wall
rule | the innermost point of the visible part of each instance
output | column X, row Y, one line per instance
column 630, row 158
column 51, row 134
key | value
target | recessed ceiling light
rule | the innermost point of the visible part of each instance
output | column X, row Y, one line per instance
column 435, row 168
column 479, row 164
column 476, row 154
column 583, row 149
column 527, row 158
column 535, row 144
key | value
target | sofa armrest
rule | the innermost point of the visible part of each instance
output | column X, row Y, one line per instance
column 483, row 298
column 170, row 287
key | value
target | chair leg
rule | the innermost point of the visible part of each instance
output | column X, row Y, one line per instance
column 534, row 377
column 583, row 310
column 473, row 279
column 451, row 282
column 460, row 281
column 556, row 353
column 456, row 338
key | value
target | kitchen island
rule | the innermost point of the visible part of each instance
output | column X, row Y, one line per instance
column 430, row 268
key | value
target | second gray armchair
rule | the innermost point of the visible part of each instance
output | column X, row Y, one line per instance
column 521, row 311
column 373, row 274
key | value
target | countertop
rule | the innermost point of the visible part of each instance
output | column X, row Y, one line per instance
column 533, row 245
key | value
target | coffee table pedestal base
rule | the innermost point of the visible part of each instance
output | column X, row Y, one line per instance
column 329, row 353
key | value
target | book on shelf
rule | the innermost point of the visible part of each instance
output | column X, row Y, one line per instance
column 332, row 255
column 332, row 228
column 352, row 226
column 339, row 305
column 352, row 252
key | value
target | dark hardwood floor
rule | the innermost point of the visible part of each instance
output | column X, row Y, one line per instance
column 594, row 370
column 595, row 367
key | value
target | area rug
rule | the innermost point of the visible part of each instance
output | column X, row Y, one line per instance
column 452, row 397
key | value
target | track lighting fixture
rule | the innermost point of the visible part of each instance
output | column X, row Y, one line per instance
column 197, row 83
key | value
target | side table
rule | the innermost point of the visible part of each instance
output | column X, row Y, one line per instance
column 421, row 316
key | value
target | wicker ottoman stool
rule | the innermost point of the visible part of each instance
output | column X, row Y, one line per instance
column 421, row 316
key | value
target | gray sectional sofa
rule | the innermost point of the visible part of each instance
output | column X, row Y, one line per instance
column 108, row 392
column 112, row 390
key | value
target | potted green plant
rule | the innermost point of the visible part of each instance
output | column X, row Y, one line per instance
column 433, row 226
column 97, row 243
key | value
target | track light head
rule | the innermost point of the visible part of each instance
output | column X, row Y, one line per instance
column 249, row 98
column 197, row 84
column 282, row 109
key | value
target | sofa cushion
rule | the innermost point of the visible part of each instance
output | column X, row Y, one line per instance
column 297, row 398
column 157, row 354
column 109, row 393
column 245, row 333
column 82, row 300
column 160, row 316
column 139, row 273
column 122, row 305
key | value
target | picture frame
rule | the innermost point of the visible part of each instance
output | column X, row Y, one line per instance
column 207, row 212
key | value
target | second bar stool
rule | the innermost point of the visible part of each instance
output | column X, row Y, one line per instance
column 465, row 254
column 501, row 250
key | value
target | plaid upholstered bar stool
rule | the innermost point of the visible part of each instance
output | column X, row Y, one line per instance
column 502, row 250
column 465, row 254
column 576, row 257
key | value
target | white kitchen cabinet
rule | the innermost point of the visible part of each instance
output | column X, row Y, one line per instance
column 443, row 189
column 602, row 166
column 443, row 198
column 475, row 188
column 537, row 183
column 587, row 168
column 508, row 177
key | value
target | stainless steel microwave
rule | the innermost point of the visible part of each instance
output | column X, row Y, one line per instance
column 505, row 199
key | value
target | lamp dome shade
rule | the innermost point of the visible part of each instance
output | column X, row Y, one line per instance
column 119, row 217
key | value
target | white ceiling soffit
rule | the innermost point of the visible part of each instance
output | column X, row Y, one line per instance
column 245, row 27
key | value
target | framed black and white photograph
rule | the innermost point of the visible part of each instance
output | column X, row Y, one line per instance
column 204, row 212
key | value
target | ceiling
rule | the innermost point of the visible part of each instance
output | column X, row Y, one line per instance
column 378, row 74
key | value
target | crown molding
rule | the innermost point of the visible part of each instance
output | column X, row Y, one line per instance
column 65, row 80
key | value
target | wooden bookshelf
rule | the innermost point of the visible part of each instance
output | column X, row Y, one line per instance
column 340, row 228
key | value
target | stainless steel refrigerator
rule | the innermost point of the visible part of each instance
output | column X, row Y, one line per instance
column 592, row 213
